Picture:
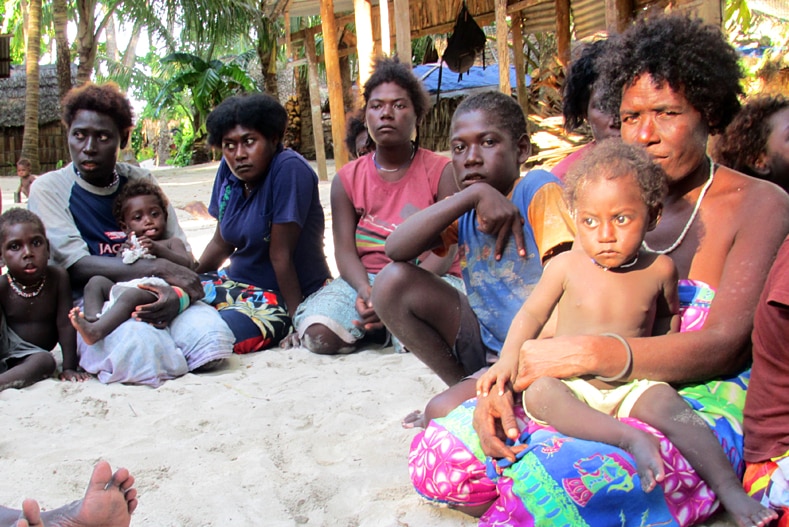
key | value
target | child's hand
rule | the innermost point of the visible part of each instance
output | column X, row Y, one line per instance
column 74, row 375
column 498, row 375
column 150, row 246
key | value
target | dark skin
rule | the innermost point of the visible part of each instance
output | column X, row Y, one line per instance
column 248, row 154
column 144, row 217
column 42, row 319
column 391, row 120
column 94, row 142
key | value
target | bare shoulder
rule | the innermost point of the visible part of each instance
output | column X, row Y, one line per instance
column 749, row 194
column 57, row 273
column 664, row 267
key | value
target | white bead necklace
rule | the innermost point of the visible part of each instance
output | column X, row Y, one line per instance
column 21, row 289
column 693, row 215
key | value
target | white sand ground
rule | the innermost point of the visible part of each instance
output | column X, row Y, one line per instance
column 277, row 438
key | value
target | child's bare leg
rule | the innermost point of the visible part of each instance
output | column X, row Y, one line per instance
column 551, row 401
column 423, row 312
column 662, row 407
column 96, row 292
column 119, row 313
column 109, row 502
column 27, row 370
column 442, row 404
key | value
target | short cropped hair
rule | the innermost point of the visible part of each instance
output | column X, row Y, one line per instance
column 256, row 111
column 24, row 163
column 693, row 57
column 612, row 159
column 134, row 189
column 16, row 216
column 500, row 109
column 388, row 69
column 745, row 139
column 106, row 99
column 577, row 88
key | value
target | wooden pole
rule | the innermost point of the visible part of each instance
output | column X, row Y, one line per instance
column 362, row 11
column 334, row 80
column 502, row 39
column 315, row 107
column 386, row 38
column 403, row 31
column 563, row 31
column 617, row 15
column 520, row 64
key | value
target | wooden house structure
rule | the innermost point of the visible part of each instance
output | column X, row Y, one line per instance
column 52, row 138
column 388, row 26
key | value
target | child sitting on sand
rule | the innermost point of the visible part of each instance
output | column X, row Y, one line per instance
column 614, row 288
column 35, row 299
column 141, row 211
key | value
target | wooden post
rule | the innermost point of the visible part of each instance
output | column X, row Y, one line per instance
column 520, row 64
column 315, row 107
column 617, row 15
column 334, row 80
column 502, row 39
column 288, row 43
column 386, row 38
column 362, row 11
column 563, row 32
column 403, row 31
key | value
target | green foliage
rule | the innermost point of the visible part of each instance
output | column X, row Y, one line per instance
column 184, row 143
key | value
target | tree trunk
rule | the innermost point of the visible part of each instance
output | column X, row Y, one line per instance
column 32, row 52
column 86, row 39
column 60, row 15
column 112, row 41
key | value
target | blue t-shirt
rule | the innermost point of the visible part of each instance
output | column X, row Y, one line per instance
column 288, row 194
column 497, row 289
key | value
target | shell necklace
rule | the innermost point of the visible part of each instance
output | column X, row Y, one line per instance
column 21, row 289
column 382, row 169
column 693, row 215
column 631, row 263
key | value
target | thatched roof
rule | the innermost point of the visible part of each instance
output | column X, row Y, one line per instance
column 12, row 96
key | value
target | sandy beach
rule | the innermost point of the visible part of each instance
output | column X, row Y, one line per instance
column 276, row 438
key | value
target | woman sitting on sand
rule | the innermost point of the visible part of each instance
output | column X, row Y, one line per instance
column 722, row 230
column 269, row 224
column 75, row 203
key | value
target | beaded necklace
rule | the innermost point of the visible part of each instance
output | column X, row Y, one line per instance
column 631, row 263
column 382, row 169
column 115, row 178
column 20, row 289
column 684, row 232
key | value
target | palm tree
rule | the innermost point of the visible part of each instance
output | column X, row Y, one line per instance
column 207, row 82
column 30, row 135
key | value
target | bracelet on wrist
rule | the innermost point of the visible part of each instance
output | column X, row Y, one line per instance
column 183, row 299
column 628, row 361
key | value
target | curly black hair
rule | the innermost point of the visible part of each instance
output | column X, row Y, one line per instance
column 500, row 109
column 255, row 111
column 104, row 98
column 17, row 215
column 577, row 88
column 745, row 139
column 355, row 126
column 388, row 69
column 612, row 159
column 693, row 57
column 134, row 189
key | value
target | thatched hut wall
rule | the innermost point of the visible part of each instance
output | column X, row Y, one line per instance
column 52, row 138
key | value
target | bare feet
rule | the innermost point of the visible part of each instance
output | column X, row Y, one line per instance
column 291, row 341
column 83, row 326
column 746, row 510
column 645, row 448
column 415, row 419
column 109, row 502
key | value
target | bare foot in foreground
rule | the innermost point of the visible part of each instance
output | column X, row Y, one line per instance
column 745, row 510
column 109, row 502
column 415, row 419
column 291, row 341
column 645, row 448
column 83, row 327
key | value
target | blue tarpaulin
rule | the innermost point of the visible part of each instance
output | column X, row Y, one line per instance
column 476, row 77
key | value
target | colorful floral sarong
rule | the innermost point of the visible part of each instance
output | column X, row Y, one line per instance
column 563, row 481
column 768, row 483
column 257, row 317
